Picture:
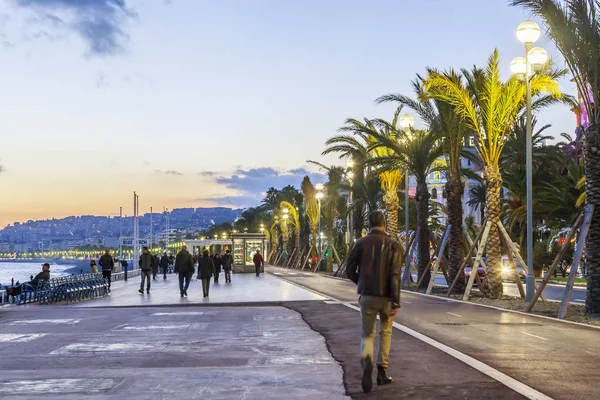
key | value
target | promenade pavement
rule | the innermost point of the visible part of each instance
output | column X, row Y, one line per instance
column 257, row 338
column 556, row 358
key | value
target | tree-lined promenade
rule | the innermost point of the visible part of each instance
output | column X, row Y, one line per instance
column 456, row 108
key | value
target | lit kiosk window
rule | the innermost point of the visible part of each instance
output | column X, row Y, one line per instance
column 245, row 246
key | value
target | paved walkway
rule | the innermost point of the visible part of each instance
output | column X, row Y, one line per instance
column 244, row 289
column 556, row 358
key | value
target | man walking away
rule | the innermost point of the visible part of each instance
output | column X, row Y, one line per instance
column 227, row 262
column 107, row 263
column 258, row 261
column 146, row 261
column 217, row 262
column 206, row 269
column 374, row 264
column 184, row 266
column 164, row 264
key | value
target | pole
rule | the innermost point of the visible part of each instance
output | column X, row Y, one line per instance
column 151, row 237
column 530, row 281
column 120, row 233
column 319, row 224
column 406, row 220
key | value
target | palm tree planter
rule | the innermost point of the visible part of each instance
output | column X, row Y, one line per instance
column 489, row 108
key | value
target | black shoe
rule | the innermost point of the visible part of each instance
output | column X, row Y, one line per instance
column 367, row 378
column 185, row 293
column 148, row 291
column 382, row 378
column 141, row 291
column 181, row 295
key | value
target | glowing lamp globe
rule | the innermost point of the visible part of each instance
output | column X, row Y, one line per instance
column 319, row 186
column 350, row 162
column 406, row 121
column 319, row 195
column 528, row 32
column 538, row 57
column 519, row 67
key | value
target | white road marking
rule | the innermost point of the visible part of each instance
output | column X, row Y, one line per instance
column 579, row 301
column 405, row 302
column 20, row 338
column 504, row 379
column 332, row 302
column 153, row 327
column 164, row 314
column 46, row 321
column 105, row 348
column 62, row 386
column 535, row 336
column 456, row 315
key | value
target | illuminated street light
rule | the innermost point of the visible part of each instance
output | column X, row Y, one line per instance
column 406, row 121
column 528, row 32
column 319, row 186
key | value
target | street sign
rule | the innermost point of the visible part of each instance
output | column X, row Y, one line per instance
column 128, row 241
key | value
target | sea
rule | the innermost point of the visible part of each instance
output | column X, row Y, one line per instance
column 21, row 271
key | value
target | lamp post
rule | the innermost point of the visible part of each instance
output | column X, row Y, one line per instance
column 528, row 32
column 350, row 176
column 406, row 122
column 320, row 195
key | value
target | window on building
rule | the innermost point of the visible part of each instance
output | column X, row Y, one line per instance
column 437, row 175
column 434, row 194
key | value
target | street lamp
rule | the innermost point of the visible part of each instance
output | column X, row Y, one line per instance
column 319, row 196
column 406, row 123
column 350, row 176
column 535, row 58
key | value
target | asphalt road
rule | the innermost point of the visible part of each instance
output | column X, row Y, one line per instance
column 556, row 358
column 552, row 291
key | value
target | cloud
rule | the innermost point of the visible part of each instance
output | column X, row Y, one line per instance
column 175, row 173
column 101, row 82
column 99, row 22
column 250, row 184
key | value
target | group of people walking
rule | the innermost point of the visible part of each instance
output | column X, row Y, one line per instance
column 209, row 268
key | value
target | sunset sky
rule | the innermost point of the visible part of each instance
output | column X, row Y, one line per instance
column 209, row 102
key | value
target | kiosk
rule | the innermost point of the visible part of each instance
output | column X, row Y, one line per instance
column 245, row 246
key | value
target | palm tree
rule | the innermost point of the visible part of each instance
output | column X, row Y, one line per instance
column 294, row 220
column 440, row 119
column 574, row 28
column 272, row 199
column 489, row 108
column 311, row 205
column 351, row 146
column 416, row 152
column 390, row 180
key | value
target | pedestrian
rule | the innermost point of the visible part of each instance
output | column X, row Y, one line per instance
column 108, row 264
column 93, row 266
column 258, row 261
column 184, row 266
column 217, row 262
column 146, row 261
column 227, row 262
column 206, row 269
column 164, row 264
column 155, row 264
column 374, row 265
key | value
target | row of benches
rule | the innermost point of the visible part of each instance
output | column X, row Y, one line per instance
column 67, row 288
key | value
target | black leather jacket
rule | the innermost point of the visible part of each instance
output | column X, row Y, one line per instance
column 374, row 264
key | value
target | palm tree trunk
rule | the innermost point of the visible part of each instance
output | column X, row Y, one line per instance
column 592, row 244
column 454, row 197
column 392, row 203
column 493, row 186
column 423, row 229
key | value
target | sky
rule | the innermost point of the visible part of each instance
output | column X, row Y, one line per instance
column 197, row 103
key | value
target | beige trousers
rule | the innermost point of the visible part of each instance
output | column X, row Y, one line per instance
column 370, row 308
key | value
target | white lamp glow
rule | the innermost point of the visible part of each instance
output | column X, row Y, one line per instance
column 538, row 57
column 406, row 121
column 528, row 32
column 519, row 67
column 319, row 186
